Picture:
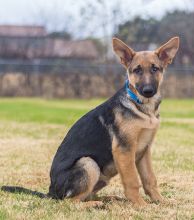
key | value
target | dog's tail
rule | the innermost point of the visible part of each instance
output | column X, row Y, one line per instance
column 18, row 189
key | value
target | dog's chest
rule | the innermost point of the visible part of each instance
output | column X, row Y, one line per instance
column 144, row 139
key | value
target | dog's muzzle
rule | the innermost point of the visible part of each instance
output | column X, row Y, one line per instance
column 148, row 91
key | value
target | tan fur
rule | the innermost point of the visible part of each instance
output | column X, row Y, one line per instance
column 93, row 172
column 148, row 177
column 149, row 121
column 167, row 51
column 139, row 132
column 125, row 163
column 138, row 139
column 161, row 57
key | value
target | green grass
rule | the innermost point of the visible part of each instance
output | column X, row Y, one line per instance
column 42, row 111
column 32, row 129
column 60, row 112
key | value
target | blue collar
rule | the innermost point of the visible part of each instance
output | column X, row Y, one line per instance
column 130, row 93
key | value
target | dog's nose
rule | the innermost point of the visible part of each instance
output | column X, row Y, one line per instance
column 148, row 91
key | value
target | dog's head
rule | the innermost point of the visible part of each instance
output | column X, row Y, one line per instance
column 145, row 68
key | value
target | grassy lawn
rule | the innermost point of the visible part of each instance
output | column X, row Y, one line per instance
column 31, row 131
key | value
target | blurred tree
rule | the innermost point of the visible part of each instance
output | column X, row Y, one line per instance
column 179, row 23
column 150, row 30
column 139, row 30
column 61, row 34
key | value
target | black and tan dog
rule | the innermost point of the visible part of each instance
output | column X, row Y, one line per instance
column 116, row 136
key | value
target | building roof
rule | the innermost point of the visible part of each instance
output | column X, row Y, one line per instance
column 34, row 42
column 22, row 31
column 64, row 48
column 46, row 47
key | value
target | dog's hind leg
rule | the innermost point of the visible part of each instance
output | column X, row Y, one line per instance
column 90, row 178
column 78, row 182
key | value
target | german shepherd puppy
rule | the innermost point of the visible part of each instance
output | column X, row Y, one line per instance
column 116, row 136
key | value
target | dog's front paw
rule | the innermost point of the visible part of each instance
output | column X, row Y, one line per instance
column 157, row 198
column 139, row 203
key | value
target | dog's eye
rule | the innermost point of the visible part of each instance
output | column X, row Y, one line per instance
column 154, row 69
column 138, row 70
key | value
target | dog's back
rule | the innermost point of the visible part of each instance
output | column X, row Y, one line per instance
column 90, row 136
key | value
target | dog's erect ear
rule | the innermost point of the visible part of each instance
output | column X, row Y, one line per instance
column 125, row 53
column 167, row 51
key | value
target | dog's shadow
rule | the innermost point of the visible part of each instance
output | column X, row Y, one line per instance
column 110, row 199
column 95, row 201
column 101, row 202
